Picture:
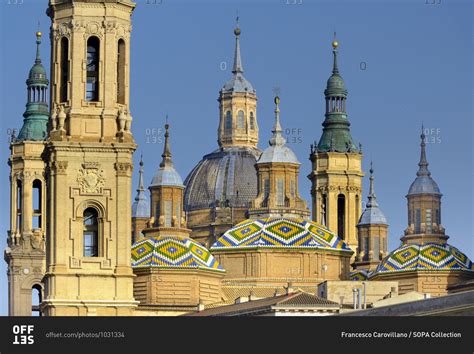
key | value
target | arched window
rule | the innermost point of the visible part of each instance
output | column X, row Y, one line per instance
column 64, row 65
column 252, row 121
column 280, row 192
column 121, row 71
column 240, row 120
column 228, row 121
column 36, row 206
column 19, row 192
column 341, row 215
column 366, row 248
column 91, row 233
column 178, row 214
column 36, row 298
column 428, row 221
column 168, row 213
column 92, row 86
column 417, row 221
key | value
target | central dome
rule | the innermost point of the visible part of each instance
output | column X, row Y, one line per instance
column 225, row 177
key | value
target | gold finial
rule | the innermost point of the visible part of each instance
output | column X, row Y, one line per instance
column 277, row 100
column 237, row 27
column 335, row 43
column 39, row 34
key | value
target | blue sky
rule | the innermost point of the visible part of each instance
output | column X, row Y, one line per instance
column 418, row 68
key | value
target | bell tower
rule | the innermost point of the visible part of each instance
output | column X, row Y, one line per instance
column 336, row 166
column 89, row 157
column 238, row 107
column 25, row 251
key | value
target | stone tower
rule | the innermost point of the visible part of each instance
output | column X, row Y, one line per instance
column 372, row 233
column 336, row 166
column 221, row 187
column 25, row 252
column 89, row 160
column 237, row 107
column 278, row 170
column 424, row 206
column 140, row 208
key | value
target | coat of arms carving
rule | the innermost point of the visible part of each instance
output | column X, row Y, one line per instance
column 91, row 179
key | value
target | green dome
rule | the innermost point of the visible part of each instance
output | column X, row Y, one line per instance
column 37, row 75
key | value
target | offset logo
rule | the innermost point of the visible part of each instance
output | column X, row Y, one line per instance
column 23, row 334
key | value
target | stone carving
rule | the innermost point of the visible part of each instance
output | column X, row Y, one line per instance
column 60, row 166
column 91, row 179
column 123, row 168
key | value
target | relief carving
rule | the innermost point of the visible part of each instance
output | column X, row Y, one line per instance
column 91, row 178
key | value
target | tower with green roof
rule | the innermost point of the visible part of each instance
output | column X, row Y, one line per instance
column 36, row 113
column 25, row 251
column 336, row 174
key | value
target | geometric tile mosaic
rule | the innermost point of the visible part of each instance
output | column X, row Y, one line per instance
column 172, row 252
column 279, row 233
column 429, row 256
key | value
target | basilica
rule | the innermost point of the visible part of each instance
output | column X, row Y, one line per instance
column 234, row 236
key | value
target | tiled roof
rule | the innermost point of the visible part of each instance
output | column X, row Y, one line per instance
column 429, row 256
column 169, row 252
column 279, row 233
column 294, row 300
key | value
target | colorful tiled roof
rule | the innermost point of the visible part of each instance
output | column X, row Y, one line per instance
column 429, row 256
column 279, row 233
column 168, row 252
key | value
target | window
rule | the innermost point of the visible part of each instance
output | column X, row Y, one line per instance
column 37, row 200
column 438, row 217
column 266, row 187
column 228, row 121
column 168, row 213
column 292, row 188
column 252, row 121
column 64, row 64
column 91, row 233
column 121, row 72
column 157, row 214
column 240, row 120
column 92, row 86
column 366, row 248
column 341, row 215
column 376, row 255
column 36, row 299
column 280, row 192
column 19, row 193
column 428, row 221
column 417, row 221
column 178, row 214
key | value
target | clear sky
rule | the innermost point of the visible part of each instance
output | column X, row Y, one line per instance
column 417, row 58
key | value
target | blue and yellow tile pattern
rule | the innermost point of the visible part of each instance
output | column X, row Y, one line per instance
column 172, row 253
column 279, row 233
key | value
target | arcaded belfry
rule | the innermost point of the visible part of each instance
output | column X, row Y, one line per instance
column 174, row 274
column 89, row 161
column 222, row 185
column 425, row 262
column 336, row 175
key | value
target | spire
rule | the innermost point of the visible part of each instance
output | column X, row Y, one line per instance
column 423, row 164
column 140, row 208
column 166, row 151
column 237, row 60
column 140, row 177
column 277, row 139
column 372, row 198
column 38, row 42
column 336, row 135
column 335, row 44
column 36, row 113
